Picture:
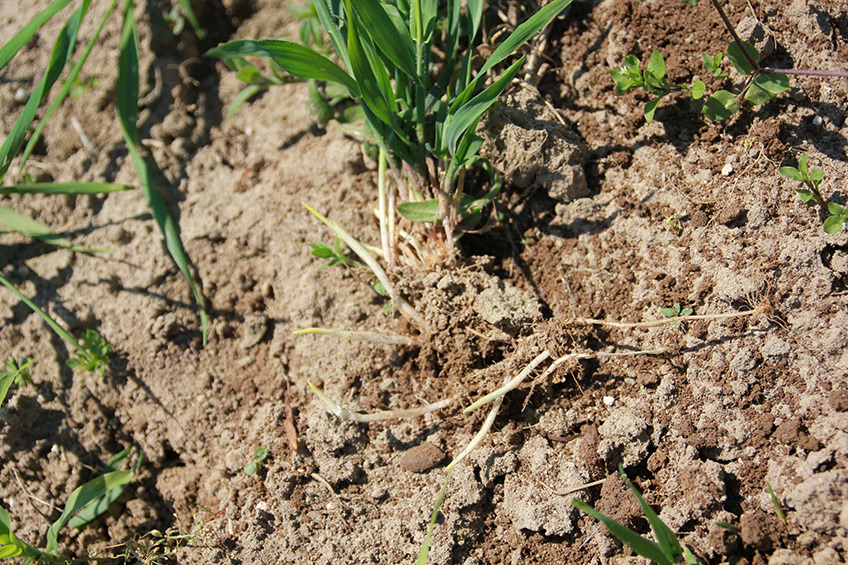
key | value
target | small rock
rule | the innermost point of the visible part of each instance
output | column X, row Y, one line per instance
column 255, row 327
column 422, row 458
column 756, row 33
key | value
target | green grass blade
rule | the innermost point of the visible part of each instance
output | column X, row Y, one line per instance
column 243, row 96
column 192, row 19
column 395, row 43
column 470, row 112
column 516, row 39
column 296, row 59
column 425, row 547
column 11, row 48
column 54, row 325
column 6, row 380
column 524, row 32
column 59, row 58
column 644, row 547
column 360, row 66
column 666, row 539
column 25, row 225
column 81, row 497
column 64, row 188
column 337, row 38
column 100, row 504
column 127, row 103
column 66, row 87
column 11, row 545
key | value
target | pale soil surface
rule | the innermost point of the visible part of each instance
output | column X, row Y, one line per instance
column 729, row 406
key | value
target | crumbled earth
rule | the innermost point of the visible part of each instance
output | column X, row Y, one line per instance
column 604, row 217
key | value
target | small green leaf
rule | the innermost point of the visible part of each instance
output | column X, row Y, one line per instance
column 757, row 96
column 738, row 59
column 792, row 173
column 650, row 109
column 656, row 65
column 833, row 224
column 774, row 84
column 802, row 166
column 251, row 468
column 804, row 194
column 835, row 209
column 260, row 454
column 720, row 106
column 686, row 312
column 698, row 89
column 816, row 176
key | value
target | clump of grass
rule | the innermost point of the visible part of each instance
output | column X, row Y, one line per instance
column 421, row 109
column 666, row 550
column 127, row 109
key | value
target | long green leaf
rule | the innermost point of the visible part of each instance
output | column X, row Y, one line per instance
column 54, row 325
column 425, row 547
column 395, row 43
column 666, row 539
column 58, row 59
column 100, row 504
column 296, row 59
column 192, row 19
column 127, row 103
column 82, row 496
column 328, row 18
column 644, row 547
column 470, row 113
column 66, row 87
column 511, row 44
column 11, row 48
column 360, row 66
column 25, row 225
column 64, row 188
column 11, row 545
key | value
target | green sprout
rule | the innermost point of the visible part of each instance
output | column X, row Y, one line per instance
column 666, row 550
column 334, row 254
column 837, row 215
column 85, row 503
column 713, row 65
column 776, row 504
column 258, row 457
column 811, row 179
column 94, row 355
column 18, row 371
column 675, row 312
column 652, row 80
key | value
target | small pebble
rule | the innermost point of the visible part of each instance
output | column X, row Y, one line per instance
column 818, row 120
column 21, row 96
column 726, row 170
column 609, row 400
column 422, row 458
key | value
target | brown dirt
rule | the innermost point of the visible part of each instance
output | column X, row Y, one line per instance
column 737, row 404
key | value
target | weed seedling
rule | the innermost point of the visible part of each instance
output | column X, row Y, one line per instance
column 675, row 312
column 837, row 215
column 666, row 550
column 18, row 371
column 259, row 455
column 94, row 355
column 776, row 504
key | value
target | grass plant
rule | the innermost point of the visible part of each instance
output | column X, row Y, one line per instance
column 127, row 110
column 412, row 70
column 666, row 550
column 84, row 504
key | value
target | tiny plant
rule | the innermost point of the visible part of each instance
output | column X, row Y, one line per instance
column 666, row 550
column 18, row 371
column 675, row 312
column 94, row 355
column 761, row 84
column 259, row 455
column 334, row 254
column 776, row 504
column 837, row 215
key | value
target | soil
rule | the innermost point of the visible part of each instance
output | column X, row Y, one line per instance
column 605, row 216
